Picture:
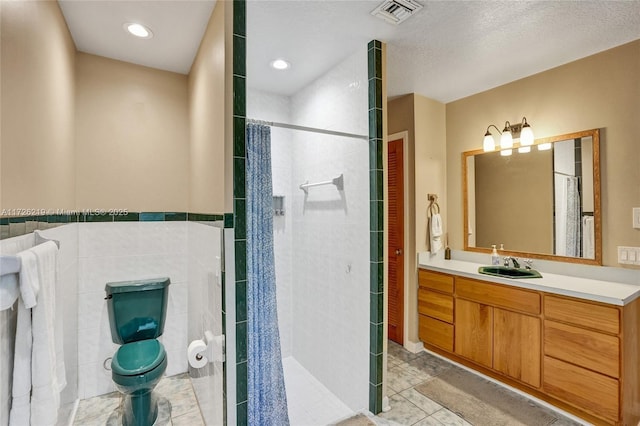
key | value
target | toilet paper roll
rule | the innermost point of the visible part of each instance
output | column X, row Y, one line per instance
column 196, row 352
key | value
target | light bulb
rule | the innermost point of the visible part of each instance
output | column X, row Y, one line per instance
column 488, row 144
column 506, row 140
column 526, row 135
column 138, row 30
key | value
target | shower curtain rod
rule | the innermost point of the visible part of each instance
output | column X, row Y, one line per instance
column 307, row 129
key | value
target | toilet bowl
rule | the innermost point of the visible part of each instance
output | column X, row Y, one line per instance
column 137, row 312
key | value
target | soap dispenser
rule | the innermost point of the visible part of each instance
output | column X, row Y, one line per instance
column 495, row 259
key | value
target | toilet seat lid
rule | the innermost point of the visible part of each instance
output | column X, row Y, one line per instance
column 136, row 358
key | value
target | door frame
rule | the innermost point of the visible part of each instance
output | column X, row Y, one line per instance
column 404, row 135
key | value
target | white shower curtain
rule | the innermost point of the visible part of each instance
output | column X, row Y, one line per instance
column 568, row 220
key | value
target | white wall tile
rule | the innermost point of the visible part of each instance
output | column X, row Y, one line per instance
column 331, row 233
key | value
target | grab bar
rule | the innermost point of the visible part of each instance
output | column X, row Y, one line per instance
column 338, row 182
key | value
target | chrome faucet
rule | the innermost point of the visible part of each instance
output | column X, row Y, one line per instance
column 512, row 259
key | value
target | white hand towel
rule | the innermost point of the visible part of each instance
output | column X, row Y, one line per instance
column 47, row 366
column 436, row 233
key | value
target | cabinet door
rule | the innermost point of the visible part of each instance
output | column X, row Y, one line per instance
column 474, row 331
column 516, row 346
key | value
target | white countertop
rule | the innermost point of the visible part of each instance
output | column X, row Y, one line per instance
column 600, row 291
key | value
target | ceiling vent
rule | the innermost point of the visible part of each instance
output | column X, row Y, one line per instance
column 396, row 11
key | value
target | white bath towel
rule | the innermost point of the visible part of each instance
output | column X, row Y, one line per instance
column 588, row 238
column 42, row 334
column 435, row 233
column 20, row 413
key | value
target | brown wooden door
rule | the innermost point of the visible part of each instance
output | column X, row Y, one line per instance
column 395, row 255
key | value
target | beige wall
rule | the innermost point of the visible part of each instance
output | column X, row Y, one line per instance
column 424, row 121
column 37, row 84
column 208, row 93
column 132, row 136
column 600, row 91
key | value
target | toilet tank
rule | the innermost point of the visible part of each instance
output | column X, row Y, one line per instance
column 137, row 309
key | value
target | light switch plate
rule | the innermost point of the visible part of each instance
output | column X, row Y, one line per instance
column 629, row 255
column 636, row 217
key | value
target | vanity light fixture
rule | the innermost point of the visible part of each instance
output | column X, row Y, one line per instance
column 138, row 30
column 522, row 130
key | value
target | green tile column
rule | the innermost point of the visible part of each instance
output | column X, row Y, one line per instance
column 239, row 203
column 376, row 234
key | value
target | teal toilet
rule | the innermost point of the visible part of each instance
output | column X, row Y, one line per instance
column 137, row 310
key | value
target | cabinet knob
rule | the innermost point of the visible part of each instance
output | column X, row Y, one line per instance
column 398, row 252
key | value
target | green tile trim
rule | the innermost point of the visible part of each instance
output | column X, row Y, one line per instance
column 242, row 415
column 240, row 18
column 239, row 135
column 241, row 260
column 99, row 217
column 241, row 379
column 175, row 217
column 375, row 398
column 239, row 177
column 239, row 95
column 376, row 234
column 241, row 301
column 377, row 305
column 238, row 220
column 128, row 217
column 84, row 217
column 241, row 342
column 239, row 53
column 204, row 217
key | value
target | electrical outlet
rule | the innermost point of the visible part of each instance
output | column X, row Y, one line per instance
column 636, row 217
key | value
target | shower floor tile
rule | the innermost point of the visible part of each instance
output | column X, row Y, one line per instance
column 309, row 402
column 101, row 410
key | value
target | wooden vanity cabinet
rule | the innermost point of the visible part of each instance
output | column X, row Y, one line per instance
column 435, row 309
column 581, row 356
column 499, row 328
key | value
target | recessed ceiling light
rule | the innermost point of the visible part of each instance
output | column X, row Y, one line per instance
column 138, row 30
column 280, row 64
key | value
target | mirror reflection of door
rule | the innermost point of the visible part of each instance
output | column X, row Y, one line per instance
column 395, row 255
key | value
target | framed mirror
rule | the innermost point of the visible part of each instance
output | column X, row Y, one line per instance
column 541, row 204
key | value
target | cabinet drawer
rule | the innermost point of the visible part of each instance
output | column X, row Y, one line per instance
column 585, row 314
column 497, row 295
column 436, row 332
column 595, row 351
column 435, row 281
column 589, row 391
column 436, row 305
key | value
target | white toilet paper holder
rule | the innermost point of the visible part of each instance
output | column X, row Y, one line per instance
column 215, row 350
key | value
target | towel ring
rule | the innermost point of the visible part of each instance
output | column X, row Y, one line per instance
column 432, row 207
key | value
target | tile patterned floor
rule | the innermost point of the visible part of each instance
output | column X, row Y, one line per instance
column 407, row 370
column 176, row 397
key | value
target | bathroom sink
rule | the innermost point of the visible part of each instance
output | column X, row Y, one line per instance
column 503, row 271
